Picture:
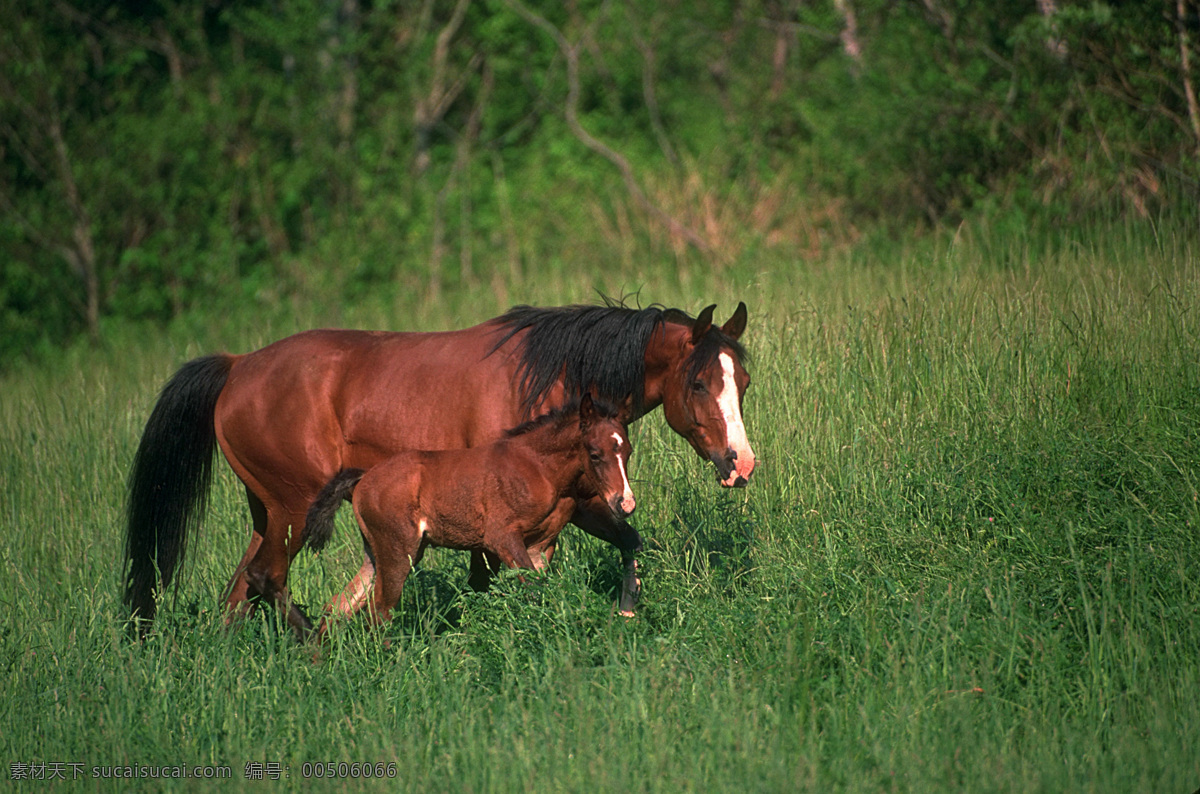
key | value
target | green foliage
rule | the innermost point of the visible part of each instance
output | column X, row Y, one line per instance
column 255, row 154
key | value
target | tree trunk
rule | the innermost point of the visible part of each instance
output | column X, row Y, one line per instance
column 1185, row 66
column 81, row 254
column 571, row 114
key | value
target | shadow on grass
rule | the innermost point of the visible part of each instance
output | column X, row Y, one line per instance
column 711, row 538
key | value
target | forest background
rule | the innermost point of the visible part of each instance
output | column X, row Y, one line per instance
column 165, row 158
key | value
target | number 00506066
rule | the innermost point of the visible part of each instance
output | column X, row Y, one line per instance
column 341, row 769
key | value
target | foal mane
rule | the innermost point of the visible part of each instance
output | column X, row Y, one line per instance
column 568, row 412
column 600, row 348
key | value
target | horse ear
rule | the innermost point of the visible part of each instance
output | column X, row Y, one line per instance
column 703, row 323
column 737, row 323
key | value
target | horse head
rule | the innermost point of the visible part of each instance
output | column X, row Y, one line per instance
column 702, row 395
column 608, row 449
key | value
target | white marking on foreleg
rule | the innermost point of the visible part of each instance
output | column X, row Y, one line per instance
column 354, row 596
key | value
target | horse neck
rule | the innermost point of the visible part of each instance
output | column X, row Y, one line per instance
column 557, row 448
column 664, row 354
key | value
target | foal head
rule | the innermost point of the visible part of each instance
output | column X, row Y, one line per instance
column 702, row 396
column 607, row 446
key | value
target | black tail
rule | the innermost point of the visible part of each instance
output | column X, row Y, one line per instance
column 318, row 525
column 168, row 484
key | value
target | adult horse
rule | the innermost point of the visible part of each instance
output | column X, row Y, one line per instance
column 289, row 416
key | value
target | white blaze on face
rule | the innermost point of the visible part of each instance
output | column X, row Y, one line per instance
column 627, row 500
column 735, row 430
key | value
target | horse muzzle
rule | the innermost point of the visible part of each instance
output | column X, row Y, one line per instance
column 732, row 471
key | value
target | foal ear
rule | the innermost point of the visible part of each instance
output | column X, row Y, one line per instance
column 737, row 323
column 587, row 410
column 625, row 410
column 703, row 323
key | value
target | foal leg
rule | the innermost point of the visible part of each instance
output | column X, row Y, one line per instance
column 594, row 518
column 394, row 555
column 355, row 594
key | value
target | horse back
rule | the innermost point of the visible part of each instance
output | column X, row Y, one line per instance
column 298, row 410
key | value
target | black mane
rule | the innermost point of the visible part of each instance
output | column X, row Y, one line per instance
column 591, row 347
column 600, row 348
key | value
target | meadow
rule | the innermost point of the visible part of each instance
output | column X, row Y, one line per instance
column 969, row 559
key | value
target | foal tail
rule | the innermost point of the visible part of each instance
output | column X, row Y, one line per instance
column 167, row 491
column 318, row 525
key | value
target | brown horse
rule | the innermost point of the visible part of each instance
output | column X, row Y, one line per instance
column 291, row 415
column 510, row 498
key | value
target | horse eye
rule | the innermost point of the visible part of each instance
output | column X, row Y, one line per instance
column 698, row 386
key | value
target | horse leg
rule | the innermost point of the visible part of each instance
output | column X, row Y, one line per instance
column 266, row 573
column 301, row 625
column 236, row 591
column 594, row 518
column 484, row 564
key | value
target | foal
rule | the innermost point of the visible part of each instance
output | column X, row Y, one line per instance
column 511, row 498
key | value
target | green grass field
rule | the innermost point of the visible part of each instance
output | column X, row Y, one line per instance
column 969, row 560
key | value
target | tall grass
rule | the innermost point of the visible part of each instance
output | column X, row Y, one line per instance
column 969, row 559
